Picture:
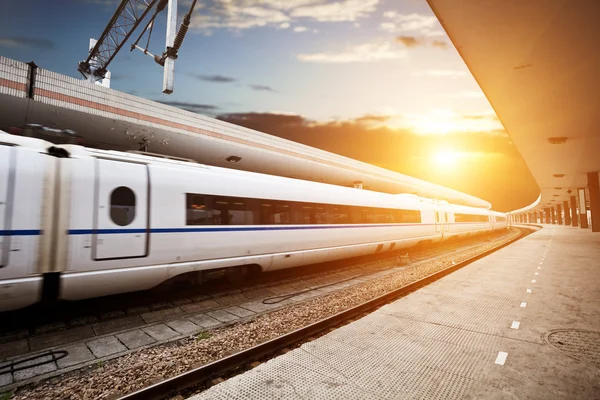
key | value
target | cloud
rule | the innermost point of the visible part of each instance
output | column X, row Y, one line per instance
column 409, row 41
column 410, row 23
column 266, row 121
column 413, row 41
column 214, row 78
column 263, row 88
column 467, row 94
column 438, row 73
column 17, row 41
column 372, row 118
column 366, row 52
column 439, row 43
column 290, row 4
column 348, row 10
column 441, row 122
column 489, row 115
column 300, row 29
column 189, row 106
column 238, row 15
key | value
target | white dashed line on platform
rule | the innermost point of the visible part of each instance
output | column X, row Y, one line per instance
column 523, row 304
column 533, row 281
column 501, row 359
column 515, row 325
column 528, row 290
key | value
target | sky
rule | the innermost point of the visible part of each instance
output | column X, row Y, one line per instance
column 375, row 80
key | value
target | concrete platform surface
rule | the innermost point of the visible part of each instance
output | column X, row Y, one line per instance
column 523, row 323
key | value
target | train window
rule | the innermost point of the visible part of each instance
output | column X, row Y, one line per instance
column 471, row 218
column 267, row 212
column 200, row 211
column 122, row 206
column 323, row 214
column 283, row 213
column 303, row 213
column 234, row 211
column 375, row 216
column 205, row 209
column 408, row 216
column 340, row 214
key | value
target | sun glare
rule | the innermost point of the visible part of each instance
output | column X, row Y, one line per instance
column 445, row 121
column 444, row 158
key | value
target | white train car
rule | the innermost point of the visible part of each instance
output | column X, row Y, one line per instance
column 78, row 223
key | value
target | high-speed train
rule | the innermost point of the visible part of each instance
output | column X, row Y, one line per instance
column 77, row 223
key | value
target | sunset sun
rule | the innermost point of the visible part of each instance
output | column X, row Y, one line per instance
column 445, row 158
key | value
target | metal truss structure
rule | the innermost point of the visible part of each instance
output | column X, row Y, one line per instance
column 127, row 17
column 125, row 20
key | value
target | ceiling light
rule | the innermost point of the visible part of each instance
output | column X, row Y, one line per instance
column 558, row 188
column 233, row 159
column 559, row 175
column 557, row 140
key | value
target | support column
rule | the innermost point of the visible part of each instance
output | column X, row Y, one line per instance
column 553, row 215
column 559, row 214
column 547, row 219
column 582, row 209
column 574, row 211
column 567, row 212
column 594, row 188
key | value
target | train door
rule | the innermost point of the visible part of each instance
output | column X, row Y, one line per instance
column 121, row 216
column 6, row 183
column 446, row 223
column 439, row 222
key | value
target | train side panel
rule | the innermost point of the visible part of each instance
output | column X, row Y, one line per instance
column 26, row 177
column 175, row 247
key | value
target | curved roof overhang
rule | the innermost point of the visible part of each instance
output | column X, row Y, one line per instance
column 538, row 64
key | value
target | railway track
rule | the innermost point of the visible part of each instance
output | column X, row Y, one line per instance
column 200, row 375
column 423, row 256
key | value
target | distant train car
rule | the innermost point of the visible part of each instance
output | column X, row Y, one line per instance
column 78, row 223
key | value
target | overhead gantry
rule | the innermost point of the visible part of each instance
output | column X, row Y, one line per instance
column 127, row 17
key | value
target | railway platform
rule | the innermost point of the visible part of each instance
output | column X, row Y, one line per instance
column 522, row 323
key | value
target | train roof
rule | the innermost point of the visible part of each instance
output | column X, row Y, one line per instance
column 406, row 199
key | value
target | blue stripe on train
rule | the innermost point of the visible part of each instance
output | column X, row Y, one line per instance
column 35, row 232
column 225, row 229
column 21, row 232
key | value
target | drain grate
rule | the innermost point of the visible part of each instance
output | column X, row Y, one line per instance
column 578, row 344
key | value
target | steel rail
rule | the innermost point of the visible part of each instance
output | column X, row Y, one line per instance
column 203, row 373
